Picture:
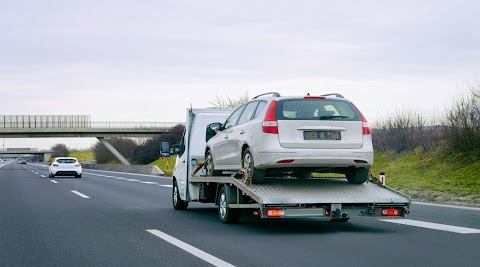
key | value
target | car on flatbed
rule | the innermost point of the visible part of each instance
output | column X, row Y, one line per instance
column 274, row 135
column 65, row 166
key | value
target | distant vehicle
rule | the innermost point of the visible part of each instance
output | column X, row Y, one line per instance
column 23, row 161
column 65, row 166
column 293, row 136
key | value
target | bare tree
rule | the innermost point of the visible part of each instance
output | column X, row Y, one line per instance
column 60, row 150
column 228, row 102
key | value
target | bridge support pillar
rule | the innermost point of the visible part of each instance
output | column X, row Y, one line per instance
column 115, row 152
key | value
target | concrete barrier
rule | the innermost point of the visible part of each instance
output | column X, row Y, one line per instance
column 139, row 169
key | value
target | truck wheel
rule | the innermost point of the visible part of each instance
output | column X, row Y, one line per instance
column 227, row 215
column 208, row 165
column 178, row 203
column 256, row 175
column 357, row 176
column 302, row 174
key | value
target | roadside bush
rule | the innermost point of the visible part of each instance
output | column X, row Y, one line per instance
column 406, row 130
column 60, row 150
column 462, row 131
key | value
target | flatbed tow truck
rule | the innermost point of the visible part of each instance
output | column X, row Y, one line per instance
column 279, row 197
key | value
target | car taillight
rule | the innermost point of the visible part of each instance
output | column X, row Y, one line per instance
column 390, row 212
column 77, row 165
column 270, row 124
column 365, row 127
column 275, row 213
column 55, row 165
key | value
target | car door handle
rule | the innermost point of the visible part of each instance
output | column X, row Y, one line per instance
column 226, row 136
column 242, row 132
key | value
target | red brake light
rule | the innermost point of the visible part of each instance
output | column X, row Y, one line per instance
column 275, row 213
column 390, row 212
column 55, row 165
column 77, row 165
column 270, row 124
column 366, row 128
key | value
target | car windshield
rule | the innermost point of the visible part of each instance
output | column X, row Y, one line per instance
column 316, row 109
column 66, row 161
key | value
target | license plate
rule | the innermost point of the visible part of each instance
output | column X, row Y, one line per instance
column 322, row 135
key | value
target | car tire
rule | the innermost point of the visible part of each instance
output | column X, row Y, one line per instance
column 50, row 175
column 302, row 174
column 227, row 215
column 357, row 176
column 177, row 202
column 248, row 163
column 78, row 176
column 209, row 167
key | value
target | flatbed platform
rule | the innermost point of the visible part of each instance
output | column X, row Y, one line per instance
column 286, row 191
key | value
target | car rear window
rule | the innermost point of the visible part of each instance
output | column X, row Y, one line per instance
column 316, row 109
column 66, row 161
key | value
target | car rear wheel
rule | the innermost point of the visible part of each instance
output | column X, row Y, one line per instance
column 50, row 175
column 252, row 173
column 78, row 176
column 208, row 165
column 357, row 176
column 177, row 202
column 227, row 215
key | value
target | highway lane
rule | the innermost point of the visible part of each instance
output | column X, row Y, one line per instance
column 45, row 223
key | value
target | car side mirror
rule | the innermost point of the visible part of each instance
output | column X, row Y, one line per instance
column 212, row 130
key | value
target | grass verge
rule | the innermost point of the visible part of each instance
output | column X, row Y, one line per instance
column 82, row 155
column 166, row 164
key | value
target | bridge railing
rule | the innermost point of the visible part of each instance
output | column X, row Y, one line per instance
column 74, row 121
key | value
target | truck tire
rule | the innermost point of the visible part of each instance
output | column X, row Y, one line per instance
column 227, row 195
column 256, row 175
column 209, row 167
column 177, row 202
column 357, row 176
column 302, row 174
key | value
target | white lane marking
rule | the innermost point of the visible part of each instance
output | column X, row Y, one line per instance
column 36, row 172
column 127, row 179
column 190, row 249
column 435, row 226
column 53, row 181
column 136, row 174
column 43, row 176
column 446, row 206
column 80, row 194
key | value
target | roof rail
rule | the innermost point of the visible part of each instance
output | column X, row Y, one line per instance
column 275, row 94
column 334, row 94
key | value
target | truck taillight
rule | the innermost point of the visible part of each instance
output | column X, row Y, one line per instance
column 390, row 212
column 270, row 124
column 275, row 213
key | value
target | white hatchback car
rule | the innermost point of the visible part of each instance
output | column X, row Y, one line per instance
column 65, row 166
column 272, row 136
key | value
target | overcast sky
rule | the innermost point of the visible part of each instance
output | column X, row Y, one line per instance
column 119, row 60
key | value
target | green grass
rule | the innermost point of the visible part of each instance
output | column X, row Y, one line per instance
column 162, row 164
column 82, row 155
column 431, row 174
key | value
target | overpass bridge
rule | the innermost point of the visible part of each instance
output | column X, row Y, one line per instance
column 58, row 126
column 9, row 152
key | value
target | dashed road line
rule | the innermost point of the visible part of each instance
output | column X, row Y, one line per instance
column 53, row 181
column 43, row 176
column 80, row 194
column 190, row 249
column 128, row 180
column 434, row 226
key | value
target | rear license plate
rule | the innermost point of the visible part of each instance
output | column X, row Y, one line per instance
column 322, row 135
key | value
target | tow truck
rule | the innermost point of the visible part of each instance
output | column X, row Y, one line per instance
column 330, row 198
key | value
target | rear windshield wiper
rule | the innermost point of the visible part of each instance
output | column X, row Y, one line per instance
column 333, row 117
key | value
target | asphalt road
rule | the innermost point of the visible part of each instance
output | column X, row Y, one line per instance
column 116, row 219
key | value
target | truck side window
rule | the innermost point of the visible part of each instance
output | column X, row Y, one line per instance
column 182, row 144
column 232, row 120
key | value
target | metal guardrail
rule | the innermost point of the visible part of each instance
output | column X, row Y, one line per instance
column 74, row 121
